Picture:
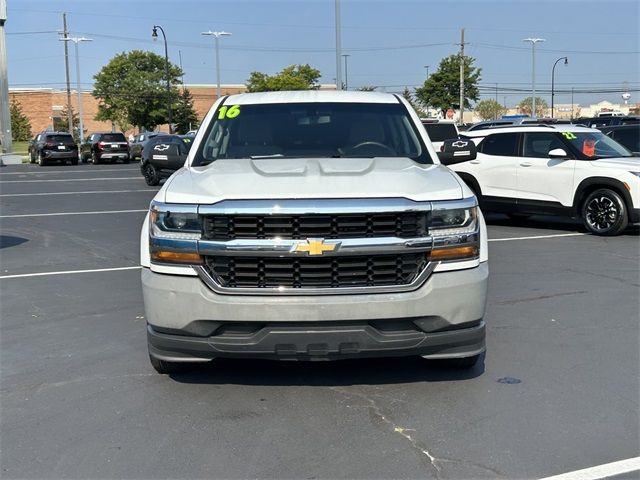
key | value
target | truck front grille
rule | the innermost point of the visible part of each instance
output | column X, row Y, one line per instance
column 366, row 225
column 321, row 272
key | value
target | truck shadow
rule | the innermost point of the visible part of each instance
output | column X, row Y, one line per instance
column 542, row 223
column 7, row 241
column 336, row 373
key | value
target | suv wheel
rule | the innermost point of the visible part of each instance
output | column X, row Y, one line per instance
column 94, row 158
column 604, row 213
column 41, row 160
column 150, row 175
column 32, row 157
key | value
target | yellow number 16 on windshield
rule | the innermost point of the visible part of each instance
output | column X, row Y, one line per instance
column 228, row 112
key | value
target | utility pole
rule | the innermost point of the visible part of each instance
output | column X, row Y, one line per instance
column 65, row 34
column 462, row 76
column 571, row 103
column 533, row 41
column 338, row 48
column 5, row 114
column 496, row 117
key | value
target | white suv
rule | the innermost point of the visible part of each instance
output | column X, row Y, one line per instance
column 561, row 170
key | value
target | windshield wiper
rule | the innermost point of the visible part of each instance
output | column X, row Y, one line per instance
column 258, row 157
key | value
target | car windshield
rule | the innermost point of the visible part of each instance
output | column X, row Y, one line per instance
column 113, row 137
column 595, row 145
column 304, row 130
column 59, row 138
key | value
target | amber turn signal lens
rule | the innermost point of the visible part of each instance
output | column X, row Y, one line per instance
column 454, row 253
column 163, row 256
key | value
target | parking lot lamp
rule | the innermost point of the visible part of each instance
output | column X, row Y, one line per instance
column 216, row 36
column 76, row 41
column 154, row 35
column 533, row 72
column 553, row 72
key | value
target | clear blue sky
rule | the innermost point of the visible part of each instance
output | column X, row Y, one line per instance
column 389, row 42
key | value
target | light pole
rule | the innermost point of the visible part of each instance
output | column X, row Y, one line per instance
column 76, row 41
column 346, row 71
column 533, row 72
column 553, row 72
column 154, row 35
column 338, row 27
column 427, row 67
column 216, row 36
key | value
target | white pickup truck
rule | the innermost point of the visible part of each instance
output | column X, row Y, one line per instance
column 314, row 225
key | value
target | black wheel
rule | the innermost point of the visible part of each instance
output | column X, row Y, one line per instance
column 95, row 159
column 32, row 157
column 150, row 175
column 604, row 213
column 41, row 161
column 165, row 368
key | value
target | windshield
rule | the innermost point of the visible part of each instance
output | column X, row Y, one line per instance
column 304, row 130
column 594, row 145
column 113, row 137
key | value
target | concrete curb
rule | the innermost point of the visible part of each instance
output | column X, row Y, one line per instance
column 10, row 159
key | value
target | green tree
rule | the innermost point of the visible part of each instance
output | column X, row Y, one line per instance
column 367, row 88
column 62, row 124
column 185, row 116
column 525, row 106
column 20, row 125
column 131, row 89
column 293, row 77
column 488, row 109
column 442, row 89
column 409, row 97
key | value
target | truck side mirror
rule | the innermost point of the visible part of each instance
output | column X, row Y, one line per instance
column 457, row 150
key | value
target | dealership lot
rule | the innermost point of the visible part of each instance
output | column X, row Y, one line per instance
column 558, row 390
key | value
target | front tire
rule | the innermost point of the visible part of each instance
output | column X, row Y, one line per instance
column 150, row 175
column 604, row 213
column 41, row 161
column 32, row 157
column 95, row 159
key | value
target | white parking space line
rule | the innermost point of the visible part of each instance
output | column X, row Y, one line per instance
column 535, row 237
column 71, row 213
column 54, row 172
column 139, row 177
column 69, row 272
column 601, row 471
column 74, row 193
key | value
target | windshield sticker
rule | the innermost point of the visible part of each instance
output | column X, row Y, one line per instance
column 569, row 135
column 228, row 112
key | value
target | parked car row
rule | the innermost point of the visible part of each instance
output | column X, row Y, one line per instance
column 99, row 147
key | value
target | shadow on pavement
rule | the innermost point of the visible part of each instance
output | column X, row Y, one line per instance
column 541, row 222
column 335, row 373
column 7, row 241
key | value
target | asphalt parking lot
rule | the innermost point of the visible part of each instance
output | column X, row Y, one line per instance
column 557, row 391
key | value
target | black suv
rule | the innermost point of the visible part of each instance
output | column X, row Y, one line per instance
column 162, row 155
column 105, row 146
column 140, row 141
column 47, row 147
column 627, row 135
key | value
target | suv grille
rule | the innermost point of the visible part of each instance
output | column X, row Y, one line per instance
column 366, row 225
column 323, row 272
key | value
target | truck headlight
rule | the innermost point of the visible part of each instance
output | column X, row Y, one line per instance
column 455, row 230
column 174, row 232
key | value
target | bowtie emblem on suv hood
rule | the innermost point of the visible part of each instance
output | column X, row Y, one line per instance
column 161, row 148
column 460, row 144
column 315, row 246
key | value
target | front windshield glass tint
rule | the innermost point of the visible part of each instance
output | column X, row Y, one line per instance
column 594, row 145
column 305, row 130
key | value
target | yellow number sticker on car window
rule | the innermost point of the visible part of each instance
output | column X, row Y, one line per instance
column 569, row 135
column 228, row 112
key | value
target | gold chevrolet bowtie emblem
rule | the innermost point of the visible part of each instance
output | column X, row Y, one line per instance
column 315, row 246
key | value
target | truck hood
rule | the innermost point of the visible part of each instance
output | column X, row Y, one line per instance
column 246, row 179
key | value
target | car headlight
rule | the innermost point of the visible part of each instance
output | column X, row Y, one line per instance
column 174, row 232
column 455, row 230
